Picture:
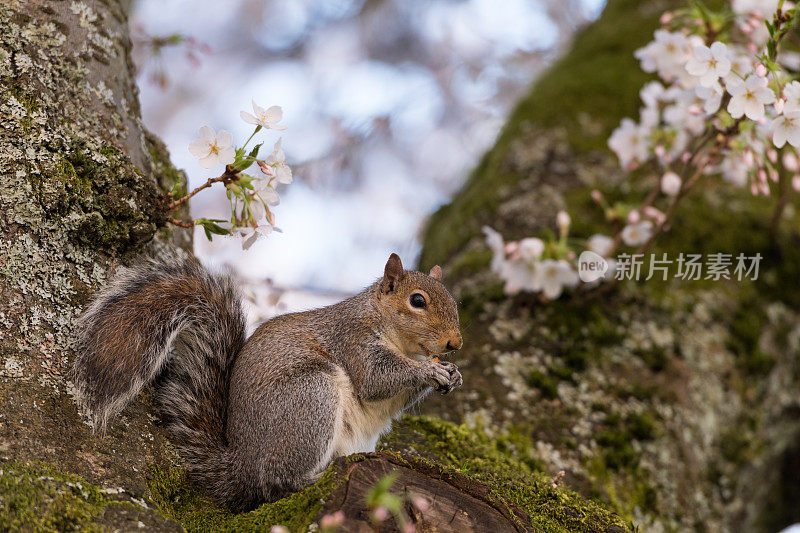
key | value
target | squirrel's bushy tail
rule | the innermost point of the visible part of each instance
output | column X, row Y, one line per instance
column 124, row 344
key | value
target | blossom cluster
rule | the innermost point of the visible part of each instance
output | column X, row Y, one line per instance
column 725, row 105
column 250, row 195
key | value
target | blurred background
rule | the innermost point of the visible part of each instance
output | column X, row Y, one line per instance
column 388, row 103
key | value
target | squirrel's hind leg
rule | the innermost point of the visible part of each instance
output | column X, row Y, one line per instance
column 283, row 439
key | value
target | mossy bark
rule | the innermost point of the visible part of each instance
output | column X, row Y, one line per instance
column 81, row 188
column 671, row 400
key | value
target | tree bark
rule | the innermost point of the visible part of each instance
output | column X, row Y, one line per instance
column 81, row 185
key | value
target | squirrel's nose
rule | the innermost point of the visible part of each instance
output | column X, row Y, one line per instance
column 455, row 344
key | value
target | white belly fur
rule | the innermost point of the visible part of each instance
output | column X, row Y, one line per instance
column 359, row 424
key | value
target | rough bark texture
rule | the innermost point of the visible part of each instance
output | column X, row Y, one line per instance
column 675, row 402
column 81, row 186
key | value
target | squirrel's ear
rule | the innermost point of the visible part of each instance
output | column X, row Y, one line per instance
column 436, row 272
column 391, row 274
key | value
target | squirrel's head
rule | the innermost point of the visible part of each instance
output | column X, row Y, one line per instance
column 419, row 313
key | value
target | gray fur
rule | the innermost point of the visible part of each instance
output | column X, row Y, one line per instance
column 257, row 420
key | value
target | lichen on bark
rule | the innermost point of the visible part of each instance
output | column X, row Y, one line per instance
column 669, row 400
column 80, row 189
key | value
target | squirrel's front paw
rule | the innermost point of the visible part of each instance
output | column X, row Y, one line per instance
column 438, row 375
column 455, row 377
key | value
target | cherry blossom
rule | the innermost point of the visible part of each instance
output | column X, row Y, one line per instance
column 266, row 118
column 629, row 141
column 600, row 244
column 748, row 97
column 552, row 276
column 531, row 248
column 213, row 148
column 792, row 93
column 638, row 233
column 277, row 161
column 711, row 97
column 786, row 127
column 709, row 64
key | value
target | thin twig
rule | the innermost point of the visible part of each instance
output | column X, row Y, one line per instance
column 181, row 223
column 228, row 176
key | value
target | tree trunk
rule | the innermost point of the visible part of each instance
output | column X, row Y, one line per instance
column 675, row 401
column 81, row 184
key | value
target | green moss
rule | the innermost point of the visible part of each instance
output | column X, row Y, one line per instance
column 114, row 205
column 39, row 498
column 470, row 262
column 746, row 325
column 547, row 385
column 506, row 466
column 617, row 436
column 183, row 502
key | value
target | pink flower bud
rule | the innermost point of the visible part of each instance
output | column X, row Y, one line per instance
column 597, row 196
column 796, row 182
column 762, row 175
column 685, row 157
column 380, row 514
column 266, row 169
column 761, row 70
column 764, row 188
column 330, row 521
column 659, row 150
column 778, row 105
column 790, row 162
column 666, row 17
column 655, row 214
column 772, row 174
column 753, row 188
column 633, row 217
column 748, row 158
column 772, row 155
column 670, row 184
column 753, row 49
column 563, row 221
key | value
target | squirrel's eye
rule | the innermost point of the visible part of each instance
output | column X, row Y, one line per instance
column 418, row 300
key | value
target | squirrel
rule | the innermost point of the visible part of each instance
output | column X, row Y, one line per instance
column 255, row 419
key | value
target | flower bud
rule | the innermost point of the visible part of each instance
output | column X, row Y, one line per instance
column 563, row 221
column 671, row 184
column 790, row 162
column 380, row 514
column 655, row 214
